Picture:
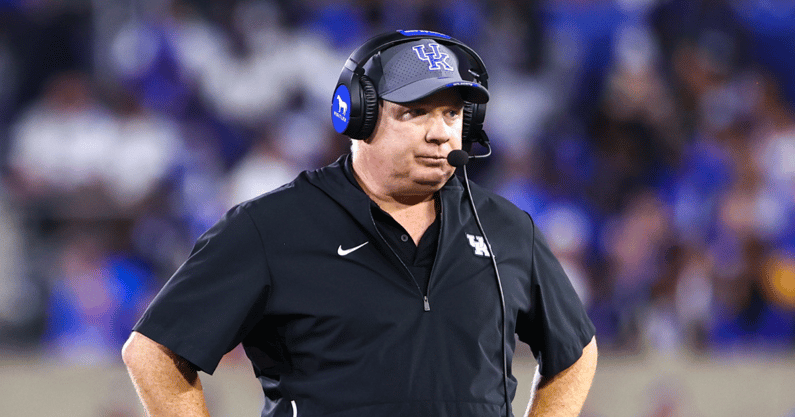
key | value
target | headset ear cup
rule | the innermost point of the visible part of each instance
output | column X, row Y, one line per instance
column 466, row 134
column 369, row 108
column 472, row 130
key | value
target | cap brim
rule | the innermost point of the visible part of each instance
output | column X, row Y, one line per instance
column 470, row 91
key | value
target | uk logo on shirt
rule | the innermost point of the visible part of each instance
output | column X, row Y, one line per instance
column 436, row 60
column 478, row 244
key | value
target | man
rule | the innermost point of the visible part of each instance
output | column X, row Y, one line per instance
column 367, row 288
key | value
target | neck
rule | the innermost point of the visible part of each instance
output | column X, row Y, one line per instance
column 415, row 212
column 386, row 193
column 388, row 199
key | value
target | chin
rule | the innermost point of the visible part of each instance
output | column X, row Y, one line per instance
column 433, row 181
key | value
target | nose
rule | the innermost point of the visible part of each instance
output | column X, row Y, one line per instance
column 439, row 130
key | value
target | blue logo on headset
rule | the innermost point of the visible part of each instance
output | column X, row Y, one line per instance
column 340, row 108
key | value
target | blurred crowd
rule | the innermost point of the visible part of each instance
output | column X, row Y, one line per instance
column 653, row 141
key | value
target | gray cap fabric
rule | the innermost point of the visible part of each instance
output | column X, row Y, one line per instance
column 414, row 70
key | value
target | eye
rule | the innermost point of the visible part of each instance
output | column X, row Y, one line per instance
column 416, row 112
column 411, row 113
column 454, row 112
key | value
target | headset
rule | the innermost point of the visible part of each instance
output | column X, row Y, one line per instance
column 356, row 93
column 359, row 96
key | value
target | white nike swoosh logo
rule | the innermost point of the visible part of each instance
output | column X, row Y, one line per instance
column 343, row 252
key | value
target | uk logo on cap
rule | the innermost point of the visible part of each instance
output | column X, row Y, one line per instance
column 436, row 60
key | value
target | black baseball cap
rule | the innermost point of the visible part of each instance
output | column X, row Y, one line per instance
column 411, row 71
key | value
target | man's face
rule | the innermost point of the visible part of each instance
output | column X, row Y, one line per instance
column 408, row 150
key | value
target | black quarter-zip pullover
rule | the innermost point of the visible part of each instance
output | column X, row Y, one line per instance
column 333, row 325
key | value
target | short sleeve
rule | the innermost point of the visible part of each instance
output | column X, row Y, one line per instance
column 557, row 328
column 213, row 299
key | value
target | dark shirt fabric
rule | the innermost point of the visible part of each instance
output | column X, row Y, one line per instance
column 333, row 332
column 418, row 258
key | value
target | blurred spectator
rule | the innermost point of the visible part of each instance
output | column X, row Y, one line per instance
column 635, row 243
column 64, row 141
column 568, row 230
column 70, row 145
column 773, row 154
column 771, row 37
column 744, row 318
column 9, row 68
column 21, row 299
column 779, row 281
column 95, row 299
column 262, row 170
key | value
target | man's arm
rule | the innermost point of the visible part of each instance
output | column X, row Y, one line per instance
column 167, row 384
column 564, row 394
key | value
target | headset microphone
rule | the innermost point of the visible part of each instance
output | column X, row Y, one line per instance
column 457, row 158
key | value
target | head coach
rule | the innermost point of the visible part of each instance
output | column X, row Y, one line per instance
column 382, row 284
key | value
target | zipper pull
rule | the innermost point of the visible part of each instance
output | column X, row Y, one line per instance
column 427, row 304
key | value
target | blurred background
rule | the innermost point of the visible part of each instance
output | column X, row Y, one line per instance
column 652, row 140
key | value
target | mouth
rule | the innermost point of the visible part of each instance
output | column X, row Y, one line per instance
column 432, row 157
column 432, row 160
